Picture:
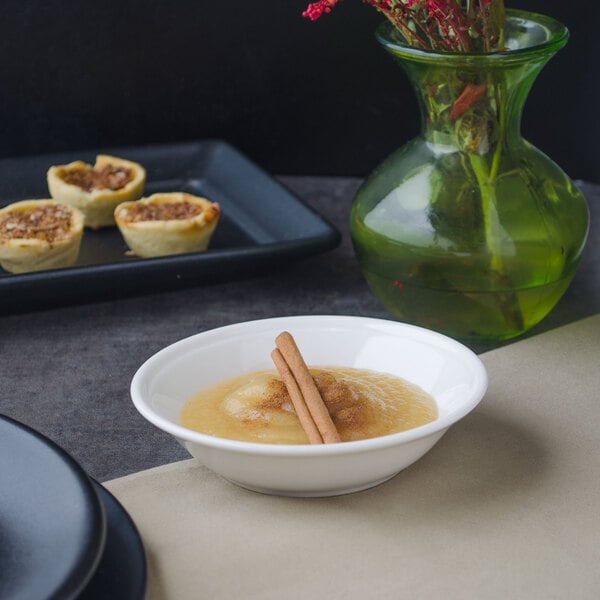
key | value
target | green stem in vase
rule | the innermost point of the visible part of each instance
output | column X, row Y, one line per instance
column 485, row 173
column 488, row 209
column 508, row 302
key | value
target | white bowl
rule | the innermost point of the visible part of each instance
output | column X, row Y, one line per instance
column 444, row 368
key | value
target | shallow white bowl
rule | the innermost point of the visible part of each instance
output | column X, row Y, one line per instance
column 446, row 369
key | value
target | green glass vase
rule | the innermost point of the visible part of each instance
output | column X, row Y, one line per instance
column 469, row 229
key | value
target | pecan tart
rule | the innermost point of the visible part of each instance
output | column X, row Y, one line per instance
column 167, row 223
column 39, row 234
column 96, row 190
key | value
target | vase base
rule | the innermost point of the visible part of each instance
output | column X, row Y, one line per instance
column 468, row 315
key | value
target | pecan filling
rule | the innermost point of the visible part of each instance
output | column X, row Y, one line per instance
column 109, row 177
column 46, row 223
column 162, row 211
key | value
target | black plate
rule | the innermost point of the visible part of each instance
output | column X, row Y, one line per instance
column 121, row 574
column 52, row 523
column 263, row 225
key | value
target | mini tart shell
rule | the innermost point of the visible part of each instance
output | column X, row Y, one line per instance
column 174, row 236
column 98, row 205
column 22, row 255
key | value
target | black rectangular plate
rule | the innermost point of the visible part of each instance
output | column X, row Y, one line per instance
column 263, row 225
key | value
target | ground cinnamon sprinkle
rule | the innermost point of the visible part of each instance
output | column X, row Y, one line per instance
column 109, row 177
column 46, row 223
column 276, row 397
column 350, row 418
column 348, row 408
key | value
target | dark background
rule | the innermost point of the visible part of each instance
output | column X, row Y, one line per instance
column 297, row 97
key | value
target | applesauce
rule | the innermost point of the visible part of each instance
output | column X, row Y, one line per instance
column 255, row 407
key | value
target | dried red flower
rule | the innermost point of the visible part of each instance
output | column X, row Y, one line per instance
column 316, row 9
column 447, row 25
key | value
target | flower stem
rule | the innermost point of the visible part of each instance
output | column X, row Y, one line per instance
column 508, row 300
column 488, row 208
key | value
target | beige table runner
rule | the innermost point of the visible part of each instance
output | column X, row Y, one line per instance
column 507, row 505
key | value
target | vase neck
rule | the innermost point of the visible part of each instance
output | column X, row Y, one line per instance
column 474, row 102
column 472, row 109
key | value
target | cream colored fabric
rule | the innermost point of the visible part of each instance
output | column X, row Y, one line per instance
column 507, row 505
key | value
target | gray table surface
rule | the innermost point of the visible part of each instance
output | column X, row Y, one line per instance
column 66, row 371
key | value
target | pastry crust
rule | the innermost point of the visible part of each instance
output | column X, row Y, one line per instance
column 168, row 223
column 96, row 190
column 39, row 234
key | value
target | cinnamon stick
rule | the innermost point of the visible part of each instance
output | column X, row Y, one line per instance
column 306, row 420
column 314, row 402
